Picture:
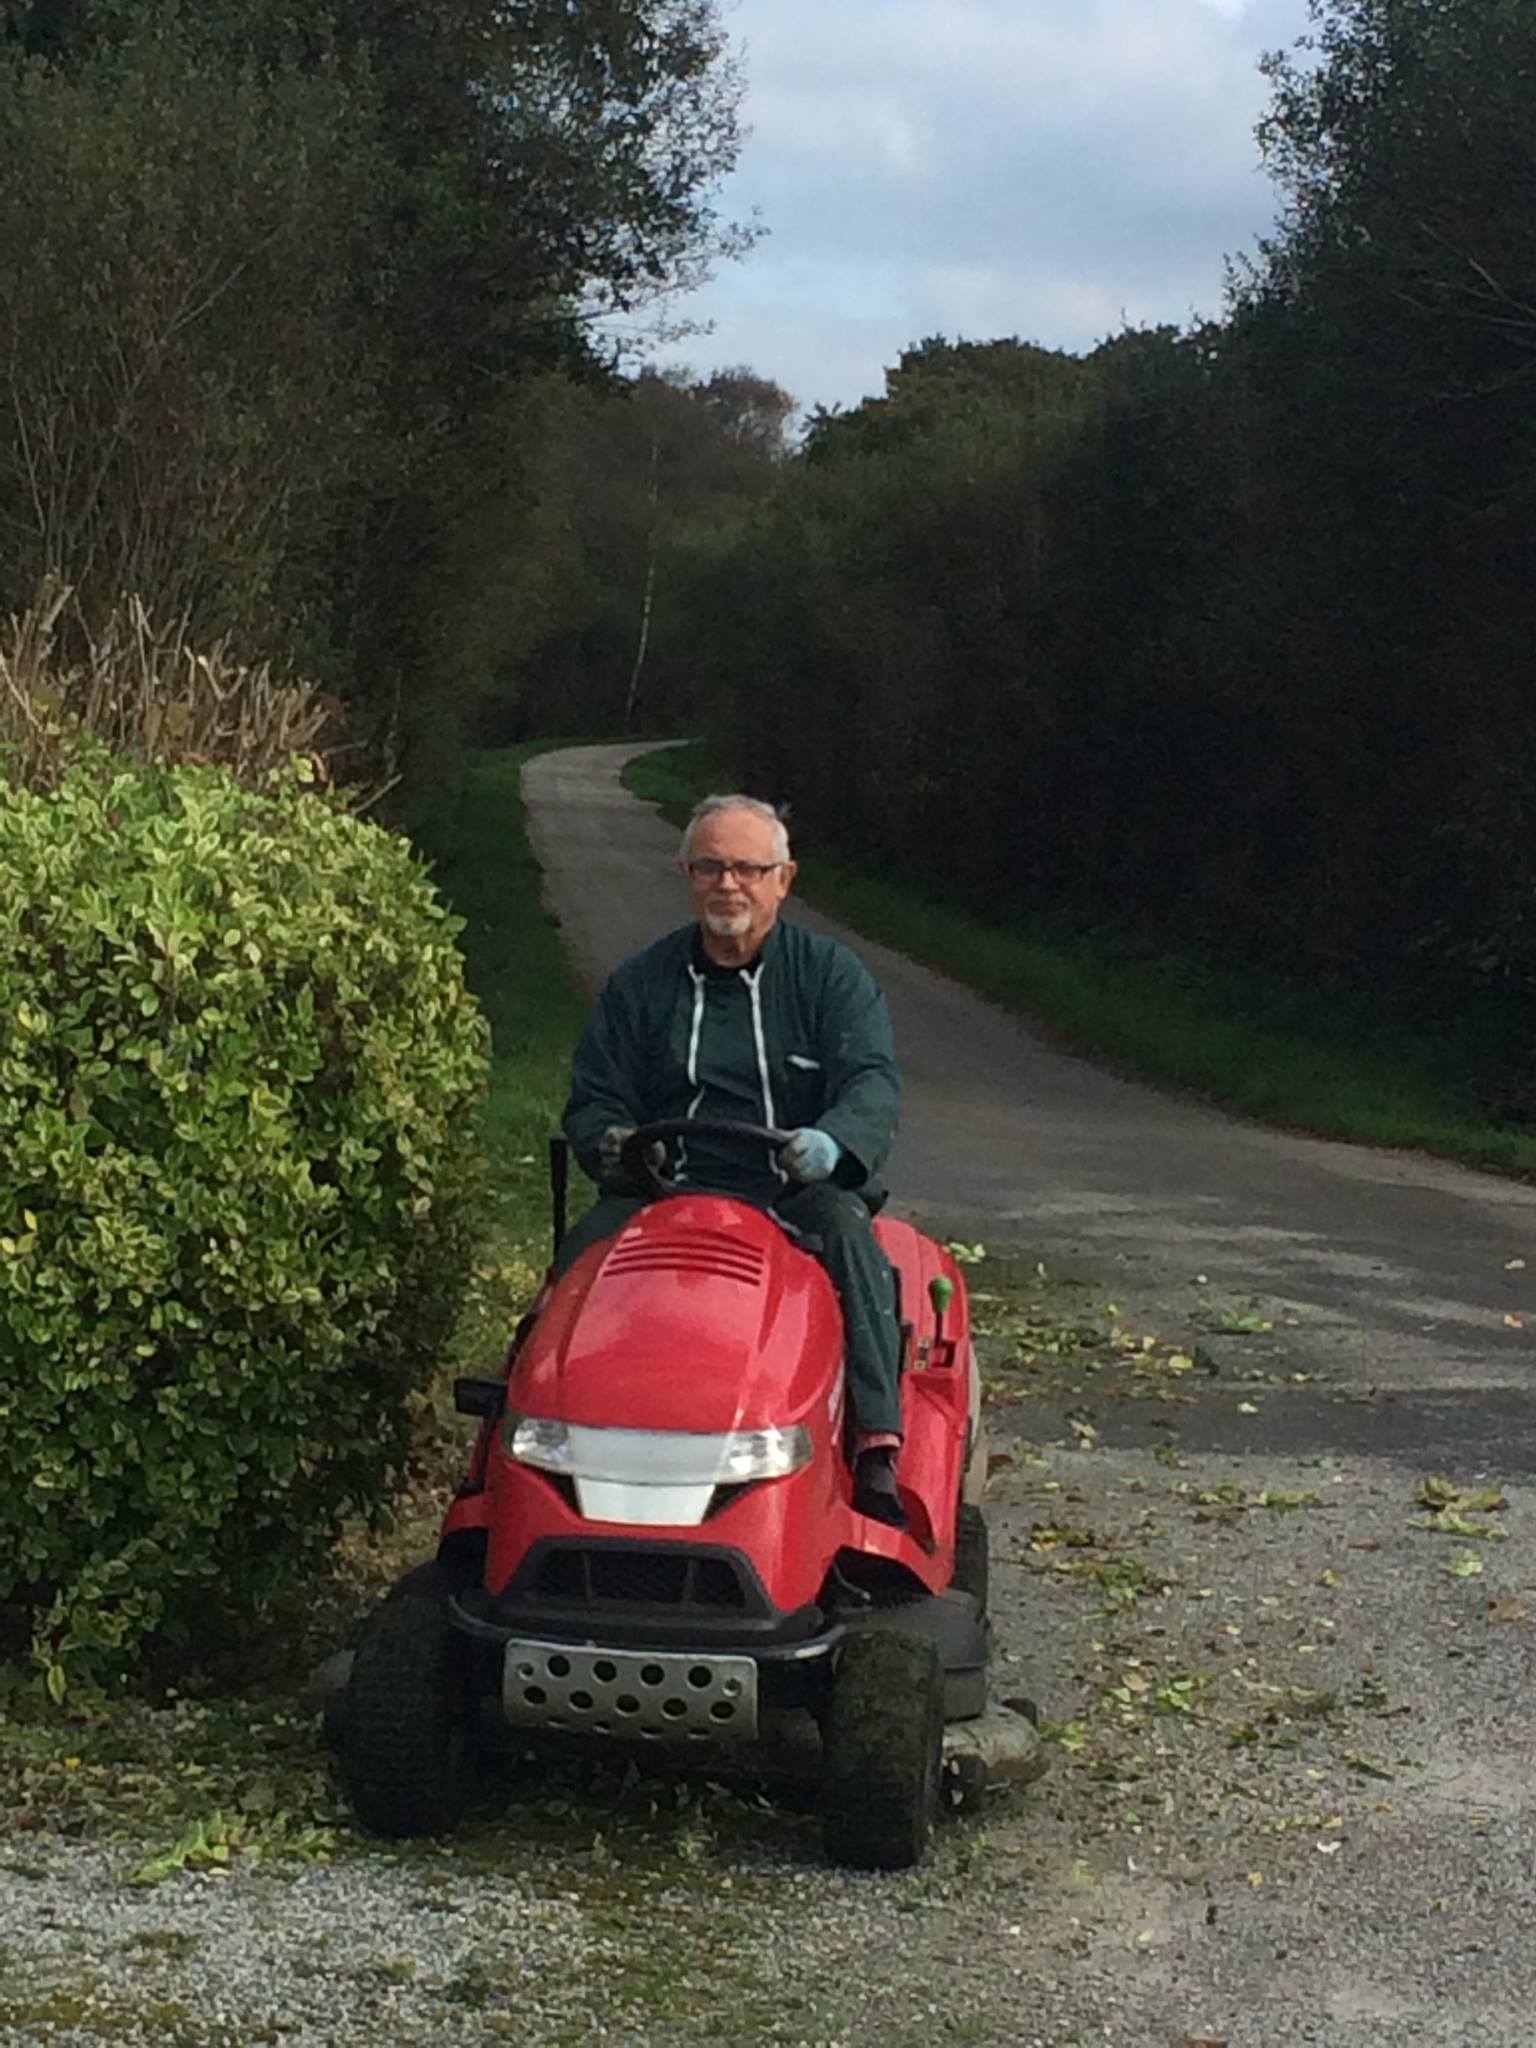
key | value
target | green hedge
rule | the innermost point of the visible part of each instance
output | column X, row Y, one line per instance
column 238, row 1077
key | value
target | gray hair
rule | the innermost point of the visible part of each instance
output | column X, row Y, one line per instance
column 709, row 805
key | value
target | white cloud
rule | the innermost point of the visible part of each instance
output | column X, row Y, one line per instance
column 873, row 133
column 1045, row 167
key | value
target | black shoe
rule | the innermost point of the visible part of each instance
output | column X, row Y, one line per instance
column 874, row 1488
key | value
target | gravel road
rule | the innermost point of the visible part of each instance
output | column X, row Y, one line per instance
column 1293, row 1796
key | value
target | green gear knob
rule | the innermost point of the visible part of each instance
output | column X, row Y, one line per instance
column 941, row 1292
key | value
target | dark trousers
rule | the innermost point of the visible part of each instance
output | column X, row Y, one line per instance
column 837, row 1227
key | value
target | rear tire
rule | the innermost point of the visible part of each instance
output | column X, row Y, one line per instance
column 882, row 1749
column 408, row 1756
column 971, row 1555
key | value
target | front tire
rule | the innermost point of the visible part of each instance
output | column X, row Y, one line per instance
column 882, row 1749
column 408, row 1759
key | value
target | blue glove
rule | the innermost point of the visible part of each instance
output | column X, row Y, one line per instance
column 811, row 1155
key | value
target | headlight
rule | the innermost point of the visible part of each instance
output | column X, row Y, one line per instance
column 763, row 1454
column 533, row 1441
column 656, row 1457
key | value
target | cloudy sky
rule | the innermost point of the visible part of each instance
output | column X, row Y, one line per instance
column 1047, row 168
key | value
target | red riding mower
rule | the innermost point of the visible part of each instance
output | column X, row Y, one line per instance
column 656, row 1545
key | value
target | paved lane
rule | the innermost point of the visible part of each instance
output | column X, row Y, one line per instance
column 1005, row 1134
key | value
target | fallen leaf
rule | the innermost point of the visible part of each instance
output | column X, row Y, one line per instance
column 1486, row 1500
column 1513, row 1322
column 1445, row 1493
column 1369, row 1543
column 1514, row 1265
column 1247, row 1408
column 1467, row 1565
column 1367, row 1767
column 1048, row 1536
column 1452, row 1522
column 1507, row 1611
column 1329, row 1848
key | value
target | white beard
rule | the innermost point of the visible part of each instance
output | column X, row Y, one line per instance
column 728, row 924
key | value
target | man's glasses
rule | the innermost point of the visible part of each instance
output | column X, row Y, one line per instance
column 710, row 870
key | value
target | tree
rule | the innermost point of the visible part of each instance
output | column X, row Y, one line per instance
column 185, row 384
column 646, row 463
column 1404, row 138
column 424, row 206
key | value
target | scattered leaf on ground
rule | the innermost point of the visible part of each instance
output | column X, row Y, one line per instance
column 1465, row 1565
column 1507, row 1611
column 1445, row 1493
column 1367, row 1767
column 1044, row 1536
column 1071, row 1735
column 1451, row 1522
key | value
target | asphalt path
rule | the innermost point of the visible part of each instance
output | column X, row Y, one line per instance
column 1322, row 1829
column 1414, row 1277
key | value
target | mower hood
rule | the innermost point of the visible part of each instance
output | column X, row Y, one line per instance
column 700, row 1315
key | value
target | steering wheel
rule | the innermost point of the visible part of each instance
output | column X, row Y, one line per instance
column 635, row 1153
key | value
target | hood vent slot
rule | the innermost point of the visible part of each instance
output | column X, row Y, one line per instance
column 709, row 1255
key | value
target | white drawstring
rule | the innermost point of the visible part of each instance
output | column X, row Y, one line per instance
column 769, row 1118
column 693, row 1067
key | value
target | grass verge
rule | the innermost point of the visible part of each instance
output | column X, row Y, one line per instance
column 1290, row 1057
column 484, row 866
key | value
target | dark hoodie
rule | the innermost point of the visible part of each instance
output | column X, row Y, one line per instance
column 801, row 1036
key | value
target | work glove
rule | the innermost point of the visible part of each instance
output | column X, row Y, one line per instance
column 811, row 1155
column 609, row 1147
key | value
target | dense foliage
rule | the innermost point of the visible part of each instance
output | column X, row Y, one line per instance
column 627, row 474
column 296, row 299
column 1218, row 638
column 238, row 1070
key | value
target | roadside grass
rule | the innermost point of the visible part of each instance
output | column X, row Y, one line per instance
column 483, row 864
column 1295, row 1057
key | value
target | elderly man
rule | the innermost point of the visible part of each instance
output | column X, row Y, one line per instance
column 740, row 1017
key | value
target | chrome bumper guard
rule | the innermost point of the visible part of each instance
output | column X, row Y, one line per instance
column 641, row 1695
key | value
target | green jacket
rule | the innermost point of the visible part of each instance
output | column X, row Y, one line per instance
column 800, row 1037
